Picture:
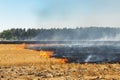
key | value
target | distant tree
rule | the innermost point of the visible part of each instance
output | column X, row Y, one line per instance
column 89, row 33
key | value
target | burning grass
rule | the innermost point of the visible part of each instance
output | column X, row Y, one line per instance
column 17, row 55
column 19, row 63
column 46, row 54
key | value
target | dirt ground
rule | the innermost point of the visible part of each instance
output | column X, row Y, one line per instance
column 17, row 63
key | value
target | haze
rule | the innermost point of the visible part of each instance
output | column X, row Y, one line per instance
column 59, row 13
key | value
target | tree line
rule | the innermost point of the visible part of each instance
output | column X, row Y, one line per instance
column 59, row 34
column 18, row 34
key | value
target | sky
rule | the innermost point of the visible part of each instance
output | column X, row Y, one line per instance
column 59, row 13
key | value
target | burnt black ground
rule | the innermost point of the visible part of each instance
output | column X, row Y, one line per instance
column 78, row 51
column 83, row 51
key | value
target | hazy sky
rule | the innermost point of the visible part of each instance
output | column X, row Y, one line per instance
column 59, row 13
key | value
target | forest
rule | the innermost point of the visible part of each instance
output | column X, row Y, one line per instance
column 89, row 33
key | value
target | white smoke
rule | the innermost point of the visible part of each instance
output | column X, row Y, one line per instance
column 109, row 38
column 88, row 58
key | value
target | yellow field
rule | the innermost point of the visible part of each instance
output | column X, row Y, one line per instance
column 18, row 63
column 16, row 55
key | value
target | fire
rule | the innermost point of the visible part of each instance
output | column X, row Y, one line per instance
column 63, row 61
column 46, row 54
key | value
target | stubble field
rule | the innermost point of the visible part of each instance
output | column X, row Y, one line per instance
column 17, row 63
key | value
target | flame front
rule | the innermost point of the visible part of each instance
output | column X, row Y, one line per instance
column 63, row 61
column 46, row 54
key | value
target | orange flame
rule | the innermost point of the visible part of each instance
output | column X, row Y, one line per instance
column 63, row 61
column 46, row 54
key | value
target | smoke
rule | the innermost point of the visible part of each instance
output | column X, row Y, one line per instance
column 79, row 54
column 79, row 34
column 88, row 58
column 83, row 44
column 110, row 38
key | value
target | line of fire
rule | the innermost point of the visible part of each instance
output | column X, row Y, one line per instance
column 75, row 51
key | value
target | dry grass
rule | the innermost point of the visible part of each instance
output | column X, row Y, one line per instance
column 16, row 55
column 18, row 63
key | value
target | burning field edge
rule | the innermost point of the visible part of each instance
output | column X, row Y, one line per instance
column 24, row 64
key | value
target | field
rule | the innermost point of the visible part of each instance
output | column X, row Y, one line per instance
column 17, row 63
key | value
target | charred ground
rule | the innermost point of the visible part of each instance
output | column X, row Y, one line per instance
column 17, row 63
